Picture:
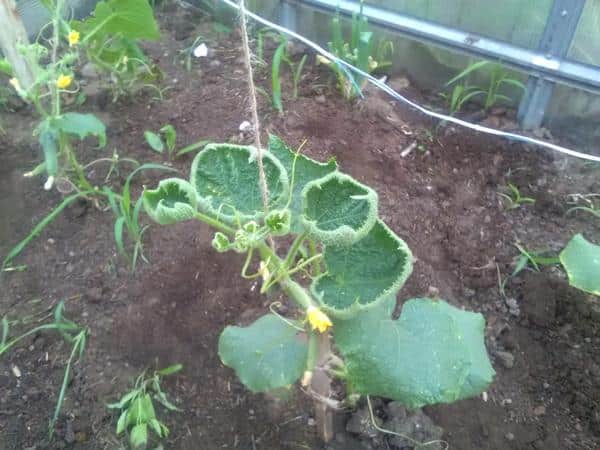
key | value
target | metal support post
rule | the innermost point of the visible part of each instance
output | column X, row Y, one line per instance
column 554, row 44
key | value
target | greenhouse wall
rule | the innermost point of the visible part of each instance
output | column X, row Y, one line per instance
column 514, row 21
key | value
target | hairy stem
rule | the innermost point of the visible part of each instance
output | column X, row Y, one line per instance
column 215, row 223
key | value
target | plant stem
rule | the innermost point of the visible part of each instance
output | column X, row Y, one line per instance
column 215, row 223
column 296, row 292
column 84, row 184
column 312, row 245
column 291, row 256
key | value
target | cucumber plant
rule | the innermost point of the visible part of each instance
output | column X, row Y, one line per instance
column 54, row 79
column 356, row 264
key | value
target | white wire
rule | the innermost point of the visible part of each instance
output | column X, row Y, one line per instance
column 401, row 98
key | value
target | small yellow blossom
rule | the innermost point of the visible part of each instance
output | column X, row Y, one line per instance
column 322, row 60
column 14, row 82
column 318, row 319
column 64, row 81
column 73, row 38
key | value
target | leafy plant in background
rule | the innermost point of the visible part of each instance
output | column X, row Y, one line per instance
column 513, row 197
column 580, row 259
column 110, row 36
column 158, row 144
column 433, row 353
column 70, row 331
column 465, row 91
column 53, row 79
column 137, row 408
column 359, row 52
column 280, row 56
column 586, row 203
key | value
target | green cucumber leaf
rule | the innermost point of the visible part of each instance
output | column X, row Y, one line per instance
column 141, row 410
column 81, row 125
column 226, row 180
column 305, row 170
column 363, row 274
column 174, row 200
column 267, row 355
column 139, row 436
column 434, row 353
column 131, row 19
column 581, row 260
column 338, row 210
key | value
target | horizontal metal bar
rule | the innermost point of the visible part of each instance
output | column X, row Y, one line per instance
column 565, row 71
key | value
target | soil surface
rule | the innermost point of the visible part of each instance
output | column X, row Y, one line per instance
column 442, row 198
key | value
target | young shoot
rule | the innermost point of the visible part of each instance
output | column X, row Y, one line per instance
column 138, row 415
column 513, row 197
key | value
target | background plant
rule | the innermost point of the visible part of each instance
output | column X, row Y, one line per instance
column 513, row 197
column 580, row 259
column 168, row 132
column 492, row 94
column 281, row 56
column 70, row 331
column 358, row 51
column 53, row 79
column 137, row 407
column 356, row 265
column 110, row 38
column 127, row 217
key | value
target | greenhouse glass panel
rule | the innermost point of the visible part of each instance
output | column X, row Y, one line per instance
column 520, row 23
column 586, row 43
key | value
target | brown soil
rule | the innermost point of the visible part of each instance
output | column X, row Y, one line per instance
column 441, row 198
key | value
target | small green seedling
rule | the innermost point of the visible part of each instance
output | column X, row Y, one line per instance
column 464, row 92
column 461, row 94
column 137, row 408
column 580, row 259
column 533, row 259
column 354, row 265
column 280, row 56
column 513, row 197
column 358, row 51
column 70, row 331
column 127, row 217
column 589, row 203
column 156, row 142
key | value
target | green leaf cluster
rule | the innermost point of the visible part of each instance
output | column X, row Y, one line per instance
column 110, row 36
column 137, row 408
column 70, row 124
column 357, row 265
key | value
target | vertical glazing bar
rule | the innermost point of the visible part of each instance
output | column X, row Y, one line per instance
column 289, row 15
column 555, row 44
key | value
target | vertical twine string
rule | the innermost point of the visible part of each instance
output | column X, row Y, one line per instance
column 254, row 109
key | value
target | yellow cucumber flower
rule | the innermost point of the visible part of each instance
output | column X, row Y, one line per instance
column 318, row 319
column 322, row 60
column 14, row 82
column 64, row 81
column 73, row 38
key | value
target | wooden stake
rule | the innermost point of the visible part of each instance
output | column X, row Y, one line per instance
column 321, row 385
column 13, row 34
